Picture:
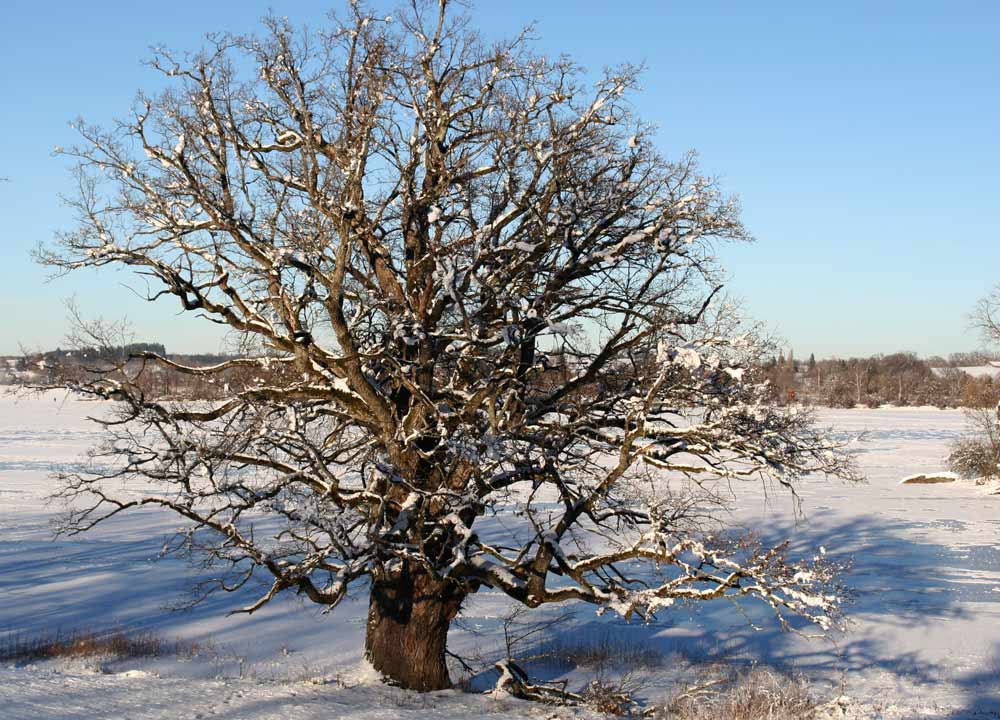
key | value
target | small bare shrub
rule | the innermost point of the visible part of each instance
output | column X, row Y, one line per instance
column 758, row 694
column 977, row 455
column 613, row 698
column 973, row 459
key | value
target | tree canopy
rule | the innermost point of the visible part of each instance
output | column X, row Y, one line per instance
column 465, row 282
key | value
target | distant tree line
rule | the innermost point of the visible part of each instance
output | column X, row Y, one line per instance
column 115, row 352
column 901, row 379
column 157, row 379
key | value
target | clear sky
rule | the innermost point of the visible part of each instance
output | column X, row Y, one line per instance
column 862, row 138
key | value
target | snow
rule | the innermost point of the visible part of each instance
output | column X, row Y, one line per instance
column 925, row 623
column 58, row 694
column 289, row 137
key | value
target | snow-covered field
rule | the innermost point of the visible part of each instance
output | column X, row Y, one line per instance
column 924, row 640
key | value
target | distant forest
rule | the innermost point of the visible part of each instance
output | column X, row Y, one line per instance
column 121, row 362
column 961, row 380
column 122, row 352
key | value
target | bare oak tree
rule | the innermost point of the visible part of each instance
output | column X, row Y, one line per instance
column 465, row 283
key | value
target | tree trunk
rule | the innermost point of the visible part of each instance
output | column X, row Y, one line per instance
column 408, row 618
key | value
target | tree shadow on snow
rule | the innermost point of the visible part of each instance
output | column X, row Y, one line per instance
column 982, row 691
column 899, row 583
column 113, row 578
column 902, row 584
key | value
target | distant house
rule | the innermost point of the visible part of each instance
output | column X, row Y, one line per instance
column 992, row 369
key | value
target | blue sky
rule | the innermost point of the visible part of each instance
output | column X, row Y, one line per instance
column 862, row 138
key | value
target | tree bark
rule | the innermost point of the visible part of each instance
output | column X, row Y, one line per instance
column 408, row 618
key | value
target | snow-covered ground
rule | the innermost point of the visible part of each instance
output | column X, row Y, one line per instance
column 924, row 640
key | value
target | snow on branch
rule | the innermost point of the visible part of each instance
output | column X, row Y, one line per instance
column 468, row 284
